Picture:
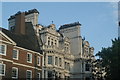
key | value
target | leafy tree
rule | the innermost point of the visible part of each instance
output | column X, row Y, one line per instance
column 111, row 60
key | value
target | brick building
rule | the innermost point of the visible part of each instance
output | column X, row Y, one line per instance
column 20, row 54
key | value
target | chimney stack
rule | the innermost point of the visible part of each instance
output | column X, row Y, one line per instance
column 20, row 23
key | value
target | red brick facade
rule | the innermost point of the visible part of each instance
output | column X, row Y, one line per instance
column 21, row 63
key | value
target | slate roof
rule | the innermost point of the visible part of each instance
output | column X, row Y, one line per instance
column 69, row 25
column 28, row 41
column 26, row 13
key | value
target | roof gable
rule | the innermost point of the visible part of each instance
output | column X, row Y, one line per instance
column 5, row 38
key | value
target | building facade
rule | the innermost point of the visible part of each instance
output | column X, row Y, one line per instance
column 65, row 53
column 20, row 54
column 18, row 62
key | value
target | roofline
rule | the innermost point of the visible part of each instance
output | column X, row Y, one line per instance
column 29, row 50
column 14, row 43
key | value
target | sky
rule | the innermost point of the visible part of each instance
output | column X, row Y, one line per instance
column 98, row 19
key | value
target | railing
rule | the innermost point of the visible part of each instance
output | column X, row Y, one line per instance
column 50, row 31
column 52, row 47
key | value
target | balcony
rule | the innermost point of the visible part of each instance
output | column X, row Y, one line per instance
column 52, row 47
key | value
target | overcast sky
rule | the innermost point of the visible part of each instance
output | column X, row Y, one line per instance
column 98, row 19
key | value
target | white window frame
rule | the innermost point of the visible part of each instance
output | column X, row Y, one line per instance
column 5, row 50
column 17, row 54
column 39, row 60
column 30, row 72
column 4, row 69
column 16, row 72
column 30, row 58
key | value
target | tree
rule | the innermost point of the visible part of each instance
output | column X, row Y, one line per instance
column 111, row 60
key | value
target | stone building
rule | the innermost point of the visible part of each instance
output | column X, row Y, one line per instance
column 65, row 53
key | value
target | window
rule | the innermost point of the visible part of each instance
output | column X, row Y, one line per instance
column 2, row 49
column 2, row 69
column 38, row 76
column 50, row 74
column 87, row 67
column 69, row 66
column 56, row 60
column 65, row 65
column 60, row 62
column 38, row 61
column 49, row 59
column 14, row 72
column 29, row 58
column 51, row 43
column 29, row 74
column 15, row 54
column 55, row 42
column 48, row 42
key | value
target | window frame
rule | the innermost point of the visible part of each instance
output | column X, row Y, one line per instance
column 60, row 62
column 17, row 54
column 51, row 60
column 4, row 69
column 87, row 67
column 30, row 58
column 4, row 49
column 39, row 60
column 56, row 61
column 16, row 73
column 39, row 75
column 30, row 72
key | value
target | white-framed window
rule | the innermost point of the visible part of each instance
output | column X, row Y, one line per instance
column 38, row 76
column 38, row 60
column 2, row 49
column 49, row 59
column 29, row 74
column 15, row 54
column 2, row 69
column 14, row 72
column 29, row 57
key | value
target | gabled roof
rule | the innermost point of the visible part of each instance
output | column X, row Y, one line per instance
column 28, row 41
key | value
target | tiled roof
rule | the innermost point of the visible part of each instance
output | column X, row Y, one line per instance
column 28, row 41
column 69, row 25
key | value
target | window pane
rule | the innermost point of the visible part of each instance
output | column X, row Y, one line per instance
column 50, row 74
column 29, row 57
column 2, row 49
column 38, row 61
column 29, row 75
column 56, row 61
column 14, row 73
column 87, row 67
column 60, row 61
column 2, row 69
column 15, row 54
column 49, row 59
column 38, row 76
